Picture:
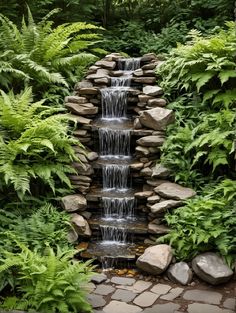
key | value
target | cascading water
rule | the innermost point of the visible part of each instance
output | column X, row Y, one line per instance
column 115, row 143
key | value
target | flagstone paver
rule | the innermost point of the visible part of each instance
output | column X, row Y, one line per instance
column 230, row 303
column 118, row 307
column 210, row 297
column 174, row 293
column 96, row 301
column 146, row 299
column 163, row 308
column 104, row 290
column 122, row 281
column 208, row 308
column 123, row 295
column 160, row 289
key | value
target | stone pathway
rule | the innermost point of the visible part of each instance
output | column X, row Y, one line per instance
column 114, row 294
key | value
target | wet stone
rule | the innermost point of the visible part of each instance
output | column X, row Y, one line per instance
column 104, row 290
column 123, row 281
column 123, row 295
column 206, row 308
column 99, row 278
column 96, row 301
column 146, row 299
column 206, row 296
column 119, row 307
column 164, row 308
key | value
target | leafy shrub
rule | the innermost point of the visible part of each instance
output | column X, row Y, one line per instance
column 51, row 283
column 207, row 222
column 39, row 55
column 35, row 147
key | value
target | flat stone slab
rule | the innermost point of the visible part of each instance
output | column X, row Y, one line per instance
column 173, row 294
column 123, row 281
column 206, row 296
column 141, row 285
column 165, row 308
column 161, row 289
column 230, row 303
column 121, row 307
column 99, row 278
column 146, row 299
column 104, row 290
column 206, row 308
column 123, row 295
column 96, row 301
column 174, row 191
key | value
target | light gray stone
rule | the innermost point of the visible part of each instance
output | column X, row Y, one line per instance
column 164, row 205
column 142, row 150
column 206, row 308
column 81, row 225
column 83, row 84
column 160, row 171
column 152, row 90
column 146, row 299
column 79, row 119
column 157, row 102
column 72, row 203
column 96, row 301
column 119, row 307
column 158, row 229
column 136, row 166
column 99, row 278
column 122, row 281
column 141, row 285
column 104, row 290
column 161, row 289
column 151, row 141
column 91, row 156
column 153, row 199
column 230, row 303
column 81, row 109
column 173, row 294
column 123, row 295
column 164, row 308
column 76, row 99
column 157, row 118
column 174, row 191
column 210, row 297
column 211, row 268
column 155, row 260
column 143, row 194
column 180, row 273
column 106, row 64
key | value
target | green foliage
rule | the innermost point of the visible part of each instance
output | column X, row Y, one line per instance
column 51, row 283
column 199, row 78
column 40, row 55
column 207, row 222
column 34, row 144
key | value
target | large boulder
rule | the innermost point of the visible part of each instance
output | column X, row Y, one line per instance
column 211, row 268
column 180, row 273
column 157, row 118
column 72, row 203
column 174, row 191
column 81, row 225
column 155, row 260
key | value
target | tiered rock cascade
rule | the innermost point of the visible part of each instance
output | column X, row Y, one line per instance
column 122, row 190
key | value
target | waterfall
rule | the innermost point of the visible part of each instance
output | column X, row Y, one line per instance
column 114, row 142
column 115, row 176
column 119, row 208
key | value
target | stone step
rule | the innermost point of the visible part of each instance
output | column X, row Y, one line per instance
column 132, row 225
column 97, row 193
column 113, row 250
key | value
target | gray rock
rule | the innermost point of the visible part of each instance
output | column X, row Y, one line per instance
column 152, row 90
column 83, row 84
column 156, row 182
column 148, row 57
column 142, row 150
column 157, row 118
column 161, row 289
column 137, row 166
column 164, row 308
column 160, row 171
column 123, row 295
column 153, row 199
column 164, row 205
column 137, row 124
column 82, row 109
column 146, row 172
column 72, row 203
column 96, row 301
column 157, row 102
column 230, row 303
column 143, row 194
column 145, row 80
column 122, row 281
column 99, row 278
column 79, row 119
column 88, row 91
column 138, row 72
column 173, row 294
column 211, row 268
column 81, row 225
column 151, row 141
column 141, row 285
column 158, row 229
column 206, row 308
column 155, row 260
column 104, row 290
column 118, row 307
column 75, row 99
column 106, row 64
column 180, row 273
column 174, row 191
column 92, row 156
column 145, row 299
column 210, row 297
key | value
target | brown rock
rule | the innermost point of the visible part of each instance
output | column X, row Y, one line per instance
column 106, row 64
column 174, row 191
column 164, row 205
column 75, row 99
column 151, row 141
column 72, row 203
column 152, row 90
column 158, row 229
column 143, row 194
column 81, row 225
column 157, row 118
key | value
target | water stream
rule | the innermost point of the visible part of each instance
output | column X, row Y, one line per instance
column 115, row 144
